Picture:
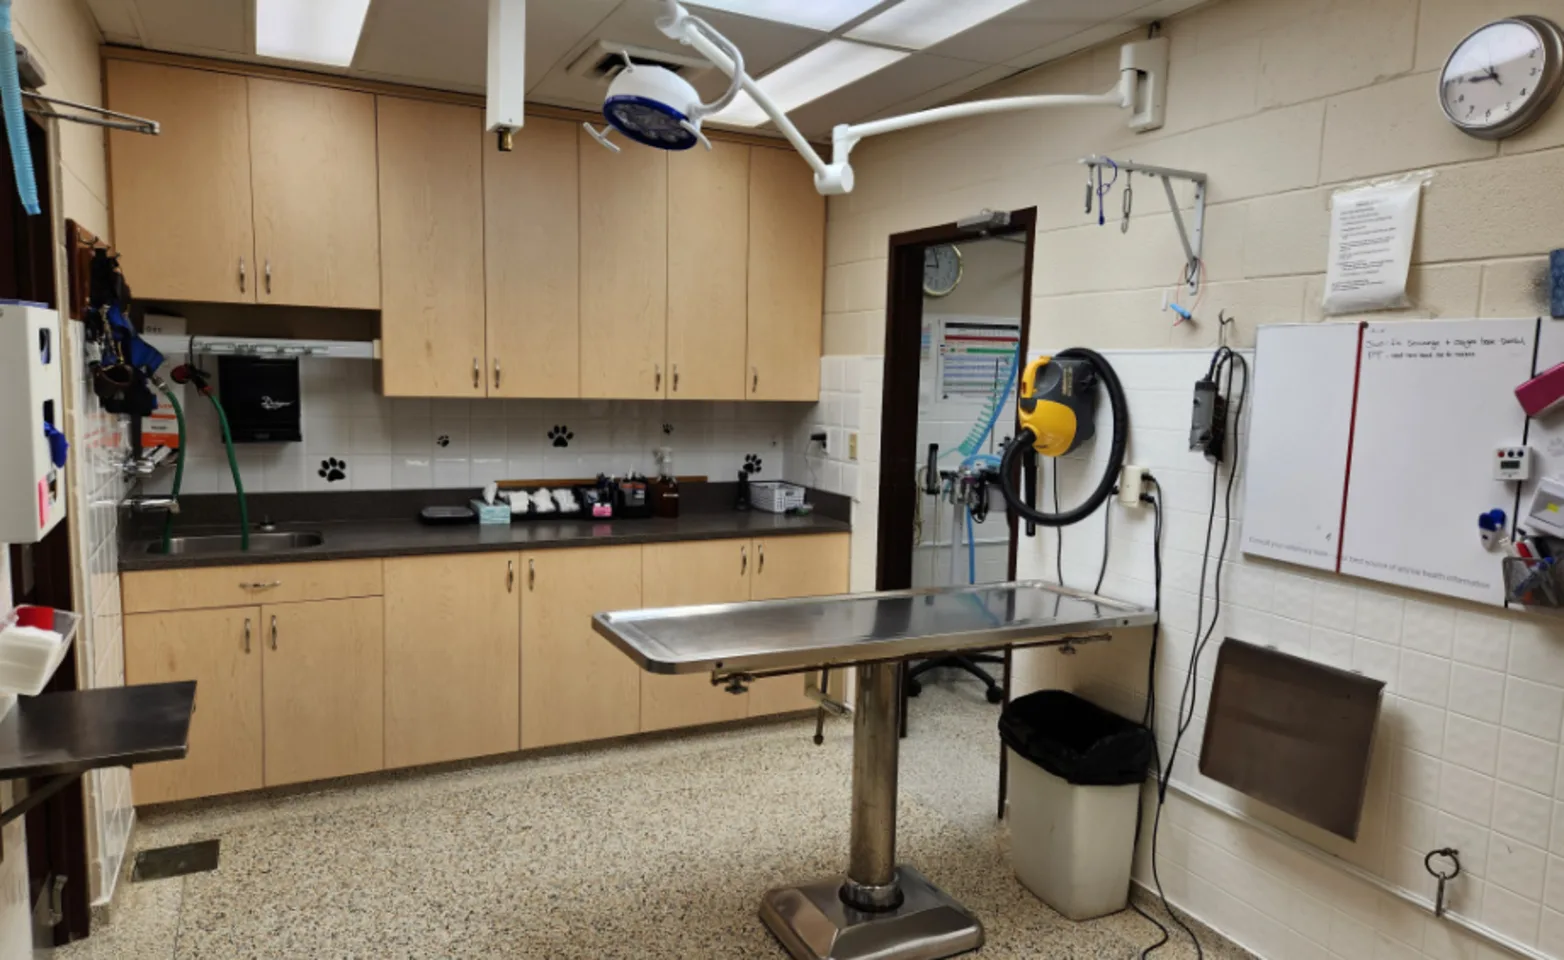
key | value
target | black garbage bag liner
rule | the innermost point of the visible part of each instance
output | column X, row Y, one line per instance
column 1076, row 740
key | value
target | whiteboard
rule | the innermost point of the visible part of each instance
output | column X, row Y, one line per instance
column 1297, row 460
column 1435, row 399
column 1371, row 451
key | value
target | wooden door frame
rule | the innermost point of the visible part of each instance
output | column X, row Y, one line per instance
column 899, row 403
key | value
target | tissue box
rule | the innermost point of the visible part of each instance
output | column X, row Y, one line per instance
column 491, row 512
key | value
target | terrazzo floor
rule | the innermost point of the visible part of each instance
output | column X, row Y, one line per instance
column 658, row 848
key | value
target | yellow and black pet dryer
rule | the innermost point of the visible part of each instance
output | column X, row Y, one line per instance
column 1057, row 413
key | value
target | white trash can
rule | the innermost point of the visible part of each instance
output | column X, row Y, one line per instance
column 1075, row 776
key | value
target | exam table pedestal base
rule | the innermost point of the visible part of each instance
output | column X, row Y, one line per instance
column 813, row 923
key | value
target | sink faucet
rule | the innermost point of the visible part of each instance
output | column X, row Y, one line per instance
column 151, row 504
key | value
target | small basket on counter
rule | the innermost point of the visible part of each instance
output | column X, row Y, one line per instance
column 775, row 496
column 1535, row 583
column 33, row 641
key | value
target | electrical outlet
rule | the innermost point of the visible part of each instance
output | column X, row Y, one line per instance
column 852, row 446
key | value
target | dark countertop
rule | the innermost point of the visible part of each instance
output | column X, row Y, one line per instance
column 70, row 733
column 352, row 539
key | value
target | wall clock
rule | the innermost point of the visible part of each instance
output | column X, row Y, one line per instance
column 941, row 269
column 1503, row 77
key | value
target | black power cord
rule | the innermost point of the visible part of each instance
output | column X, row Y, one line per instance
column 1224, row 357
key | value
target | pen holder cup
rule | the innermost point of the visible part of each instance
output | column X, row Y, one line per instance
column 1536, row 584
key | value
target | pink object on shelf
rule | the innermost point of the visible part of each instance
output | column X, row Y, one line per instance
column 1542, row 391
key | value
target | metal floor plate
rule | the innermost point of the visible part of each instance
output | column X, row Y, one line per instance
column 812, row 923
column 176, row 861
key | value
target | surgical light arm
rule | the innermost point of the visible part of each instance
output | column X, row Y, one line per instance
column 1142, row 73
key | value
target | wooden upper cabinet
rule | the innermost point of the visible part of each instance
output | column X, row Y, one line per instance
column 317, row 216
column 624, row 271
column 678, row 575
column 786, row 277
column 431, row 249
column 708, row 259
column 181, row 200
column 532, row 256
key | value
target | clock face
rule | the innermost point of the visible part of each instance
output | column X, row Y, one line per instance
column 1500, row 79
column 941, row 269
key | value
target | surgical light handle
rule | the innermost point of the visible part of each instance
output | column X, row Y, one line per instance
column 836, row 177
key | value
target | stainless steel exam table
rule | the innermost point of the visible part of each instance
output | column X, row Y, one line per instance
column 879, row 910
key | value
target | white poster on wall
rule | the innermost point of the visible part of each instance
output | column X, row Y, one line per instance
column 1371, row 233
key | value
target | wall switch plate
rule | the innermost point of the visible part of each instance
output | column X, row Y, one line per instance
column 852, row 446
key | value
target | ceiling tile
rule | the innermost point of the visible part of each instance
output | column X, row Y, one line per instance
column 917, row 74
column 116, row 19
column 1027, row 27
column 436, row 44
column 947, row 93
column 218, row 26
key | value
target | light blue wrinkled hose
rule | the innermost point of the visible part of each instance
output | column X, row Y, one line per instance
column 15, row 122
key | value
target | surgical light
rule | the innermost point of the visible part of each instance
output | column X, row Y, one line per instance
column 654, row 106
column 647, row 106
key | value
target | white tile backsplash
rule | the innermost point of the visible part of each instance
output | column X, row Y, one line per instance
column 354, row 439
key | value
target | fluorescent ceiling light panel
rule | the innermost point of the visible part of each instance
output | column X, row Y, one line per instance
column 315, row 31
column 816, row 14
column 828, row 67
column 917, row 24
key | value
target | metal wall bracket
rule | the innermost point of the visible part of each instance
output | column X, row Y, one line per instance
column 94, row 115
column 1192, row 239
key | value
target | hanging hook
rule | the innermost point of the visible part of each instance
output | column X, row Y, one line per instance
column 1090, row 188
column 1129, row 201
column 1223, row 321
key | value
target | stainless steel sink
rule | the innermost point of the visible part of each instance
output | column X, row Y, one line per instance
column 229, row 543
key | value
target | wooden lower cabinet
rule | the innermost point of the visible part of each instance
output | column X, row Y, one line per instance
column 785, row 568
column 221, row 651
column 453, row 657
column 324, row 666
column 575, row 685
column 677, row 575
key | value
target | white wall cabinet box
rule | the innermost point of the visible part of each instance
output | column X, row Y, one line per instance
column 32, row 488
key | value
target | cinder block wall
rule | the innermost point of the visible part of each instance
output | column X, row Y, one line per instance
column 1281, row 102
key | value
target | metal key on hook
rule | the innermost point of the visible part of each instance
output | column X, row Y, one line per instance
column 1090, row 189
column 1454, row 856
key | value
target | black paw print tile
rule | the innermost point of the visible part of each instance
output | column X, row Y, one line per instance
column 443, row 440
column 333, row 469
column 668, row 428
column 752, row 464
column 561, row 436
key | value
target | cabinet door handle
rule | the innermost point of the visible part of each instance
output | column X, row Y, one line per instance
column 274, row 631
column 477, row 374
column 760, row 558
column 258, row 585
column 496, row 373
column 246, row 634
column 754, row 379
column 532, row 575
column 268, row 275
column 241, row 274
column 676, row 378
column 743, row 560
column 657, row 376
column 510, row 576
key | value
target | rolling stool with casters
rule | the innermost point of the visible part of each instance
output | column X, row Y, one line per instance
column 967, row 662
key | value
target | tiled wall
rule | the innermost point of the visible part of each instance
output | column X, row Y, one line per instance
column 1467, row 752
column 97, row 487
column 1280, row 103
column 356, row 439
